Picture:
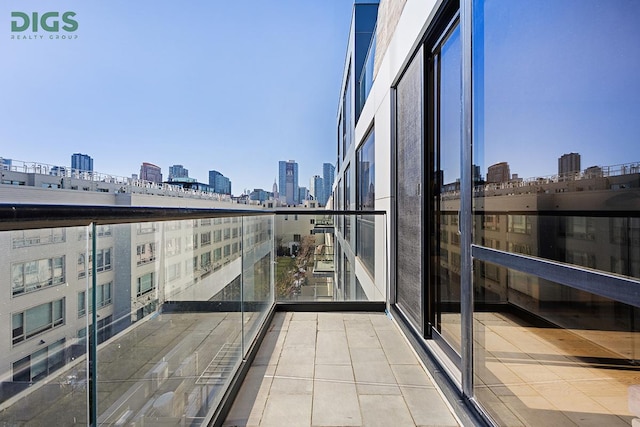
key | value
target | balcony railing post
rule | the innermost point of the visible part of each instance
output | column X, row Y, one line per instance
column 466, row 194
column 93, row 341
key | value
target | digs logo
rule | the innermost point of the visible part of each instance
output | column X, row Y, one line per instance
column 51, row 22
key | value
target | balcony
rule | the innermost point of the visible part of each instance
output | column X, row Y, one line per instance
column 168, row 341
column 287, row 319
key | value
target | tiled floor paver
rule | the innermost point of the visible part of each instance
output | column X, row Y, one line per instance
column 359, row 371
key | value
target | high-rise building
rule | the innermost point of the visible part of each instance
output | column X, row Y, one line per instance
column 303, row 194
column 81, row 163
column 219, row 183
column 150, row 172
column 288, row 181
column 5, row 164
column 568, row 164
column 328, row 175
column 258, row 194
column 499, row 172
column 316, row 188
column 274, row 190
column 178, row 171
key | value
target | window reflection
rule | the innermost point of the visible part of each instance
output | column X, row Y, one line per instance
column 556, row 175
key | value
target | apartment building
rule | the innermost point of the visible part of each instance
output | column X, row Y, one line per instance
column 522, row 283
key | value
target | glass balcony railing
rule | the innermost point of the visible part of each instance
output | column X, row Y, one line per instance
column 146, row 315
column 316, row 257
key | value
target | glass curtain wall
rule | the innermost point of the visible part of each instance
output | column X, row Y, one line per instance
column 556, row 195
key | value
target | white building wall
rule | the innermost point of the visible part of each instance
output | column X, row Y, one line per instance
column 416, row 16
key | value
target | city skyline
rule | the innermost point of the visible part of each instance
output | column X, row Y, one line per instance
column 196, row 99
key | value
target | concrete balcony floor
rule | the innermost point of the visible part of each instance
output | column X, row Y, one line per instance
column 337, row 369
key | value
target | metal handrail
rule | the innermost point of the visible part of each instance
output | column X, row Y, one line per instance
column 16, row 216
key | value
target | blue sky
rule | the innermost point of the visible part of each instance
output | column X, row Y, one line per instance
column 559, row 77
column 230, row 86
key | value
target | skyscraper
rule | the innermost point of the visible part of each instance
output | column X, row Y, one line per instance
column 303, row 194
column 569, row 163
column 499, row 172
column 288, row 181
column 178, row 171
column 328, row 175
column 316, row 188
column 150, row 172
column 81, row 163
column 274, row 189
column 219, row 183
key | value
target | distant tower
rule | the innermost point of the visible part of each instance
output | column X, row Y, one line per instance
column 178, row 171
column 568, row 164
column 328, row 175
column 316, row 188
column 81, row 163
column 150, row 172
column 288, row 181
column 219, row 183
column 499, row 172
column 276, row 196
column 303, row 194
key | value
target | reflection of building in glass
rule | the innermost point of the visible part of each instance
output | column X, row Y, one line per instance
column 557, row 220
column 513, row 279
column 499, row 172
column 569, row 164
column 138, row 268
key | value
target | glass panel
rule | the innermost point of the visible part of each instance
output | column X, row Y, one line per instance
column 43, row 366
column 257, row 273
column 556, row 176
column 550, row 354
column 187, row 307
column 308, row 267
column 447, row 77
column 168, row 329
column 610, row 244
column 409, row 155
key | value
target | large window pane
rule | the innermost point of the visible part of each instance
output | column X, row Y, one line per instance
column 365, row 193
column 556, row 355
column 556, row 176
column 446, row 77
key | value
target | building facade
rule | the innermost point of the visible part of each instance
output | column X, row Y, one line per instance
column 316, row 188
column 569, row 164
column 219, row 183
column 81, row 163
column 500, row 172
column 328, row 176
column 178, row 171
column 150, row 172
column 523, row 290
column 288, row 182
